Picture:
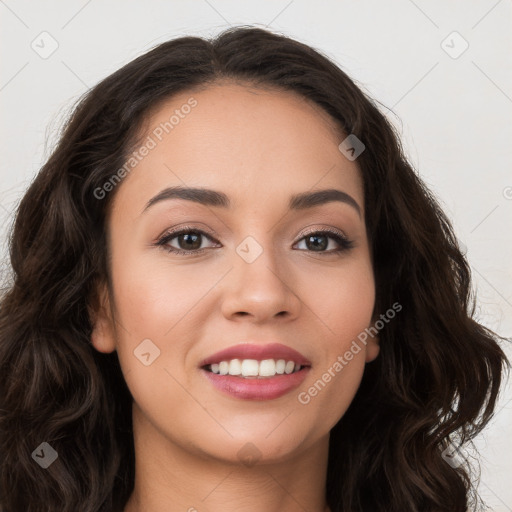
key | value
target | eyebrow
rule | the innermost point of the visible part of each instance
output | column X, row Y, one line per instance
column 209, row 197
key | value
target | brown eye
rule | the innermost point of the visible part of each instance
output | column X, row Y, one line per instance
column 188, row 241
column 315, row 242
column 318, row 241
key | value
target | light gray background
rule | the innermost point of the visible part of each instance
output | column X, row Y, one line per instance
column 453, row 109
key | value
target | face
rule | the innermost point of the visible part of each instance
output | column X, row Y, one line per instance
column 258, row 270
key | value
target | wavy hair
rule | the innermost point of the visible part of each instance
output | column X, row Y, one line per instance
column 439, row 371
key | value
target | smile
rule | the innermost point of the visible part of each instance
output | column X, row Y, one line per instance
column 252, row 368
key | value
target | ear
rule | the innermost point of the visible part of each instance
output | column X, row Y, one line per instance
column 100, row 314
column 372, row 344
column 372, row 349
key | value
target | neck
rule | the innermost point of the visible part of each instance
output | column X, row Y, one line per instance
column 169, row 474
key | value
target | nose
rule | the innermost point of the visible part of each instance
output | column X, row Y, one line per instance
column 260, row 290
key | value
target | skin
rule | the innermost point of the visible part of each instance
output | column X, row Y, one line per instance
column 259, row 147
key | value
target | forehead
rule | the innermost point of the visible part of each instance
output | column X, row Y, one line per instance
column 247, row 141
column 247, row 114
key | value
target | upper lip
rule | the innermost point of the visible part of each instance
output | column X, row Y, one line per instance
column 258, row 352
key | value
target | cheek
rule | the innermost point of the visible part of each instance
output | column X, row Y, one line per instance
column 160, row 311
column 153, row 308
column 152, row 298
column 343, row 302
column 343, row 311
column 332, row 384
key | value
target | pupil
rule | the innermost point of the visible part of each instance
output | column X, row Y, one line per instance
column 195, row 245
column 316, row 245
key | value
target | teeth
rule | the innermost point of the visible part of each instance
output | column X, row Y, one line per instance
column 280, row 366
column 250, row 368
column 235, row 367
column 290, row 366
column 253, row 368
column 267, row 368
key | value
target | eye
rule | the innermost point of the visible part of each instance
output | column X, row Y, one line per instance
column 319, row 240
column 189, row 241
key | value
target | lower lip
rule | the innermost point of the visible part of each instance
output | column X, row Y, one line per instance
column 266, row 388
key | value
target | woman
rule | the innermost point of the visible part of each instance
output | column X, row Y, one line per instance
column 231, row 291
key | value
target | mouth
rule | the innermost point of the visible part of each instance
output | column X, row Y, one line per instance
column 256, row 372
column 254, row 369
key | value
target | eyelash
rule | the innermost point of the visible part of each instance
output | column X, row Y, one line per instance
column 341, row 239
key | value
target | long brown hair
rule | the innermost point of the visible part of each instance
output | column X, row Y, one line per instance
column 438, row 373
